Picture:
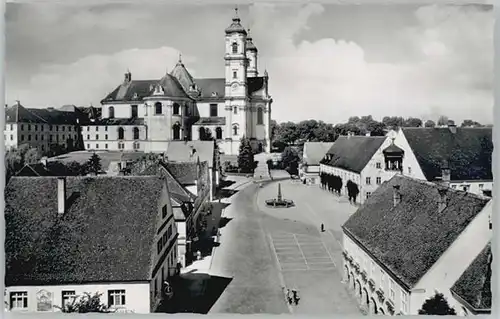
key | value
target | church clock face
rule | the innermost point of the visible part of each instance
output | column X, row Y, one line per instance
column 234, row 87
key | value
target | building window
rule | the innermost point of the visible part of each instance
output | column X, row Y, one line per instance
column 36, row 127
column 97, row 128
column 97, row 146
column 169, row 231
column 368, row 194
column 36, row 137
column 235, row 110
column 121, row 146
column 368, row 180
column 235, row 129
column 22, row 127
column 116, row 298
column 67, row 297
column 106, row 128
column 480, row 185
column 29, row 137
column 378, row 165
column 218, row 133
column 409, row 170
column 11, row 137
column 177, row 109
column 177, row 131
column 379, row 180
column 235, row 74
column 260, row 116
column 106, row 146
column 88, row 128
column 121, row 133
column 158, row 108
column 164, row 211
column 19, row 300
column 50, row 127
column 88, row 146
column 41, row 137
column 88, row 136
column 136, row 133
column 213, row 110
column 62, row 128
column 404, row 302
column 234, row 47
column 11, row 127
column 106, row 136
column 465, row 188
column 382, row 279
column 392, row 294
column 69, row 128
column 50, row 138
column 159, row 246
column 97, row 136
column 111, row 112
column 454, row 186
column 29, row 127
column 134, row 111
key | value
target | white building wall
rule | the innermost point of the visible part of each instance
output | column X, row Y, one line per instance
column 345, row 175
column 106, row 138
column 181, row 242
column 137, row 298
column 455, row 260
column 411, row 167
column 204, row 108
column 475, row 187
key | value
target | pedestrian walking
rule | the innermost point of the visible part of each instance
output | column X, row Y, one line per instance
column 289, row 296
column 322, row 228
column 296, row 297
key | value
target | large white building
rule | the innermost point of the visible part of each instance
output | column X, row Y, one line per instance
column 413, row 238
column 146, row 114
column 66, row 236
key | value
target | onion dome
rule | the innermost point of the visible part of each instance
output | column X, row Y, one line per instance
column 236, row 26
column 250, row 46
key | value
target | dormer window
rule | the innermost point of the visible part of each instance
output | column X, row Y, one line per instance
column 393, row 156
column 214, row 94
column 235, row 47
column 135, row 97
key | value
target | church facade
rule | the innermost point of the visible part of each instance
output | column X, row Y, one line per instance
column 144, row 115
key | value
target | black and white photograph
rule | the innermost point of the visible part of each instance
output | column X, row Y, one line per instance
column 294, row 158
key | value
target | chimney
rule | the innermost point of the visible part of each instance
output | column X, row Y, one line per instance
column 443, row 199
column 452, row 127
column 128, row 77
column 445, row 173
column 396, row 195
column 61, row 195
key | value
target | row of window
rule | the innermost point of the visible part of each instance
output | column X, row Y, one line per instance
column 171, row 262
column 369, row 180
column 214, row 112
column 35, row 127
column 163, row 241
column 51, row 137
column 19, row 299
column 392, row 165
column 158, row 110
column 121, row 146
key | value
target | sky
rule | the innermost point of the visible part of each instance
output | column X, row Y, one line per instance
column 325, row 62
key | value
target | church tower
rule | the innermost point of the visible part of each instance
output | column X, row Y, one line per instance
column 251, row 53
column 236, row 89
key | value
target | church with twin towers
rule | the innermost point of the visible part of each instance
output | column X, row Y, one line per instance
column 145, row 115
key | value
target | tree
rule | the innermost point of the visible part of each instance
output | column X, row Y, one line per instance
column 246, row 161
column 93, row 165
column 207, row 135
column 470, row 123
column 290, row 160
column 32, row 156
column 436, row 305
column 430, row 123
column 76, row 169
column 412, row 122
column 442, row 121
column 352, row 190
column 85, row 304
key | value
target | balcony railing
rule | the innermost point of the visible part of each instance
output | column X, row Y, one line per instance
column 371, row 284
column 380, row 295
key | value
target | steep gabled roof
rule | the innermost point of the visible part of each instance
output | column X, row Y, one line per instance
column 185, row 172
column 315, row 151
column 106, row 234
column 474, row 286
column 183, row 76
column 353, row 153
column 209, row 86
column 468, row 151
column 410, row 237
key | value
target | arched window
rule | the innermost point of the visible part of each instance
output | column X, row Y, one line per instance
column 121, row 133
column 111, row 112
column 218, row 133
column 235, row 129
column 136, row 133
column 158, row 108
column 260, row 116
column 202, row 133
column 235, row 47
column 177, row 131
column 177, row 109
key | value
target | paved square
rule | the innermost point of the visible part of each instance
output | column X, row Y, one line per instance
column 301, row 252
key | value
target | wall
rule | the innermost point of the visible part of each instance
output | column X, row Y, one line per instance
column 11, row 136
column 181, row 242
column 451, row 265
column 204, row 109
column 475, row 187
column 123, row 110
column 106, row 137
column 411, row 167
column 136, row 294
column 374, row 272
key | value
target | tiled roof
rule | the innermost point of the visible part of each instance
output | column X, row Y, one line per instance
column 354, row 152
column 126, row 92
column 214, row 120
column 208, row 86
column 106, row 234
column 236, row 26
column 468, row 151
column 172, row 87
column 37, row 169
column 117, row 122
column 474, row 286
column 183, row 76
column 185, row 172
column 250, row 46
column 190, row 151
column 409, row 238
column 255, row 84
column 19, row 113
column 315, row 151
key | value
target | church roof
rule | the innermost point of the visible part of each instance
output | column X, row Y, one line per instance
column 182, row 75
column 410, row 237
column 236, row 25
column 468, row 151
column 172, row 87
column 250, row 46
